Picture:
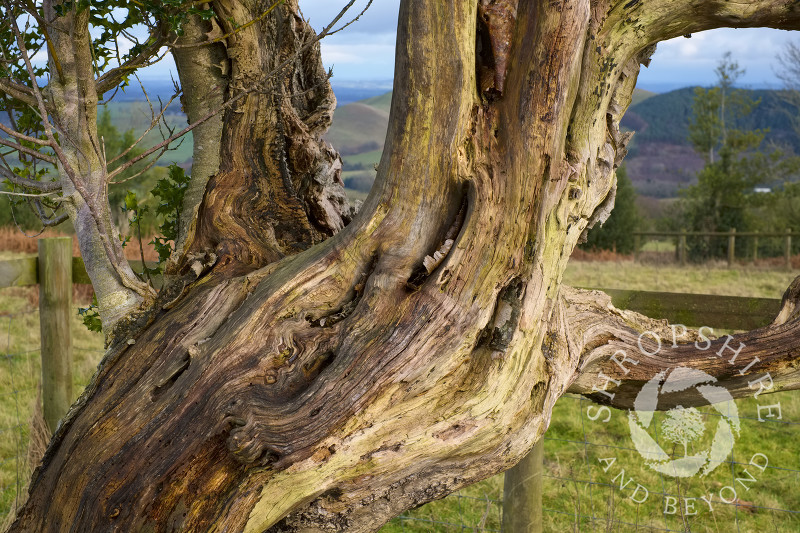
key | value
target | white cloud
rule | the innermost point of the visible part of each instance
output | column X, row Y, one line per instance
column 692, row 61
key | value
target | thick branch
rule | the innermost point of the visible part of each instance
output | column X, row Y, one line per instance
column 23, row 137
column 649, row 21
column 747, row 364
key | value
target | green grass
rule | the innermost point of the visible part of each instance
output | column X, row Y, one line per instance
column 383, row 101
column 368, row 159
column 578, row 495
column 752, row 282
column 20, row 369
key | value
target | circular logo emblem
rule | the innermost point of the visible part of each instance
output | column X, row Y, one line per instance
column 683, row 426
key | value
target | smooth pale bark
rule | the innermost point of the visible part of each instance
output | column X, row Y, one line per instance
column 204, row 71
column 72, row 97
column 419, row 349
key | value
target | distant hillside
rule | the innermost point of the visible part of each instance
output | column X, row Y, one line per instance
column 382, row 102
column 660, row 158
column 358, row 128
column 640, row 95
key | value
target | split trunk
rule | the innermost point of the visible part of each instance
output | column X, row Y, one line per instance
column 300, row 374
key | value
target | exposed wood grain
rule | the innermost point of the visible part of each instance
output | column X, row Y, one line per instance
column 760, row 361
column 349, row 379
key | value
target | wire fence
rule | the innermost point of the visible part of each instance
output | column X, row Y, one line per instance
column 595, row 477
column 592, row 470
column 23, row 434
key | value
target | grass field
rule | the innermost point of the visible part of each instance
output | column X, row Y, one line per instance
column 751, row 282
column 579, row 494
column 20, row 371
column 368, row 159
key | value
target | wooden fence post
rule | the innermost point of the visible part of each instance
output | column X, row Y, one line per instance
column 755, row 249
column 731, row 247
column 522, row 493
column 55, row 306
column 788, row 249
column 682, row 248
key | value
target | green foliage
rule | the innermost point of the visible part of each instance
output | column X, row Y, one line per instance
column 723, row 197
column 170, row 192
column 91, row 316
column 617, row 232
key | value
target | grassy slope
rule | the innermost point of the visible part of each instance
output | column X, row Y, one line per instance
column 382, row 102
column 136, row 115
column 640, row 95
column 357, row 124
column 691, row 279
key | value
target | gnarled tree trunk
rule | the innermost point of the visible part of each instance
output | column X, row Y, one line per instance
column 422, row 347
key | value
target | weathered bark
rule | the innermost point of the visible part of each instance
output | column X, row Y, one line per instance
column 278, row 189
column 621, row 351
column 422, row 347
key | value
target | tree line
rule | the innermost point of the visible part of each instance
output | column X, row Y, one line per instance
column 745, row 184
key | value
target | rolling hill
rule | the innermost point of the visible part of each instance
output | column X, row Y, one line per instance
column 660, row 158
column 359, row 129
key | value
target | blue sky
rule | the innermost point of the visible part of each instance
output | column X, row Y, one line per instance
column 364, row 52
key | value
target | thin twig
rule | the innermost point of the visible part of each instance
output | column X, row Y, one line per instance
column 112, row 78
column 18, row 91
column 178, row 135
column 41, row 186
column 153, row 123
column 113, row 259
column 23, row 137
column 50, row 47
column 28, row 151
column 48, row 221
column 29, row 195
column 326, row 31
column 150, row 165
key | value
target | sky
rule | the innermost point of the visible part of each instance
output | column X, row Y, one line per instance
column 365, row 50
column 363, row 54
